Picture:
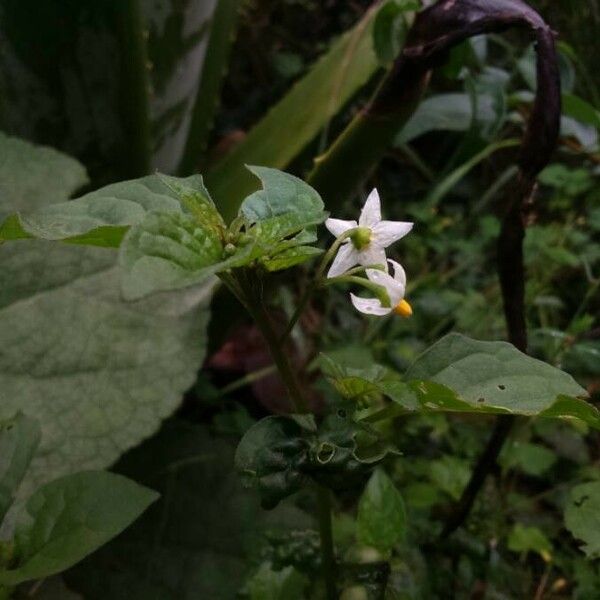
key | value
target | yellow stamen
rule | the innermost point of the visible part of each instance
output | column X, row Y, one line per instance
column 403, row 308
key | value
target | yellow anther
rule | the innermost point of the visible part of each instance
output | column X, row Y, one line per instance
column 403, row 308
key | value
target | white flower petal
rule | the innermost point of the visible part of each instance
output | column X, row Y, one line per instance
column 338, row 226
column 345, row 259
column 394, row 288
column 386, row 233
column 372, row 255
column 371, row 212
column 369, row 306
column 399, row 272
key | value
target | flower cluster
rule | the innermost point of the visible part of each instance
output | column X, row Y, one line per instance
column 365, row 245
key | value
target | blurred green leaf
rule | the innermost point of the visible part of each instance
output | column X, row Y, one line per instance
column 582, row 516
column 450, row 474
column 448, row 112
column 529, row 539
column 295, row 121
column 200, row 540
column 69, row 518
column 532, row 459
column 19, row 439
column 389, row 29
column 381, row 519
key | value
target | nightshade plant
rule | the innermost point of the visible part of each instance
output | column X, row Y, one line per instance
column 170, row 235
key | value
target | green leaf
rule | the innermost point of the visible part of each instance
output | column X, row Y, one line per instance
column 296, row 120
column 459, row 374
column 582, row 516
column 22, row 169
column 98, row 374
column 69, row 518
column 101, row 218
column 280, row 455
column 450, row 474
column 529, row 539
column 167, row 251
column 19, row 439
column 282, row 195
column 381, row 520
column 532, row 459
column 448, row 112
column 579, row 109
column 290, row 258
column 492, row 374
column 389, row 29
column 202, row 537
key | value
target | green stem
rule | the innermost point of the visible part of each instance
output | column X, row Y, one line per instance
column 326, row 533
column 243, row 292
column 134, row 88
column 247, row 380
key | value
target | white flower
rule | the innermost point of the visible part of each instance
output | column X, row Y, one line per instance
column 395, row 287
column 367, row 246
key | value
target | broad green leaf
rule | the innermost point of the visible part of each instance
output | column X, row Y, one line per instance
column 102, row 217
column 202, row 537
column 69, row 518
column 381, row 520
column 296, row 120
column 19, row 439
column 582, row 516
column 579, row 109
column 99, row 374
column 529, row 539
column 492, row 374
column 459, row 374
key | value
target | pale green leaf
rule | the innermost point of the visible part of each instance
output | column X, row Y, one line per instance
column 19, row 439
column 582, row 516
column 381, row 520
column 69, row 518
column 102, row 217
column 532, row 459
column 99, row 374
column 24, row 166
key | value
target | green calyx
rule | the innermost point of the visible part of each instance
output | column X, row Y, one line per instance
column 361, row 238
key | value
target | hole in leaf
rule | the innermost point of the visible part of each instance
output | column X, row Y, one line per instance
column 580, row 502
column 501, row 387
column 481, row 400
column 325, row 453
